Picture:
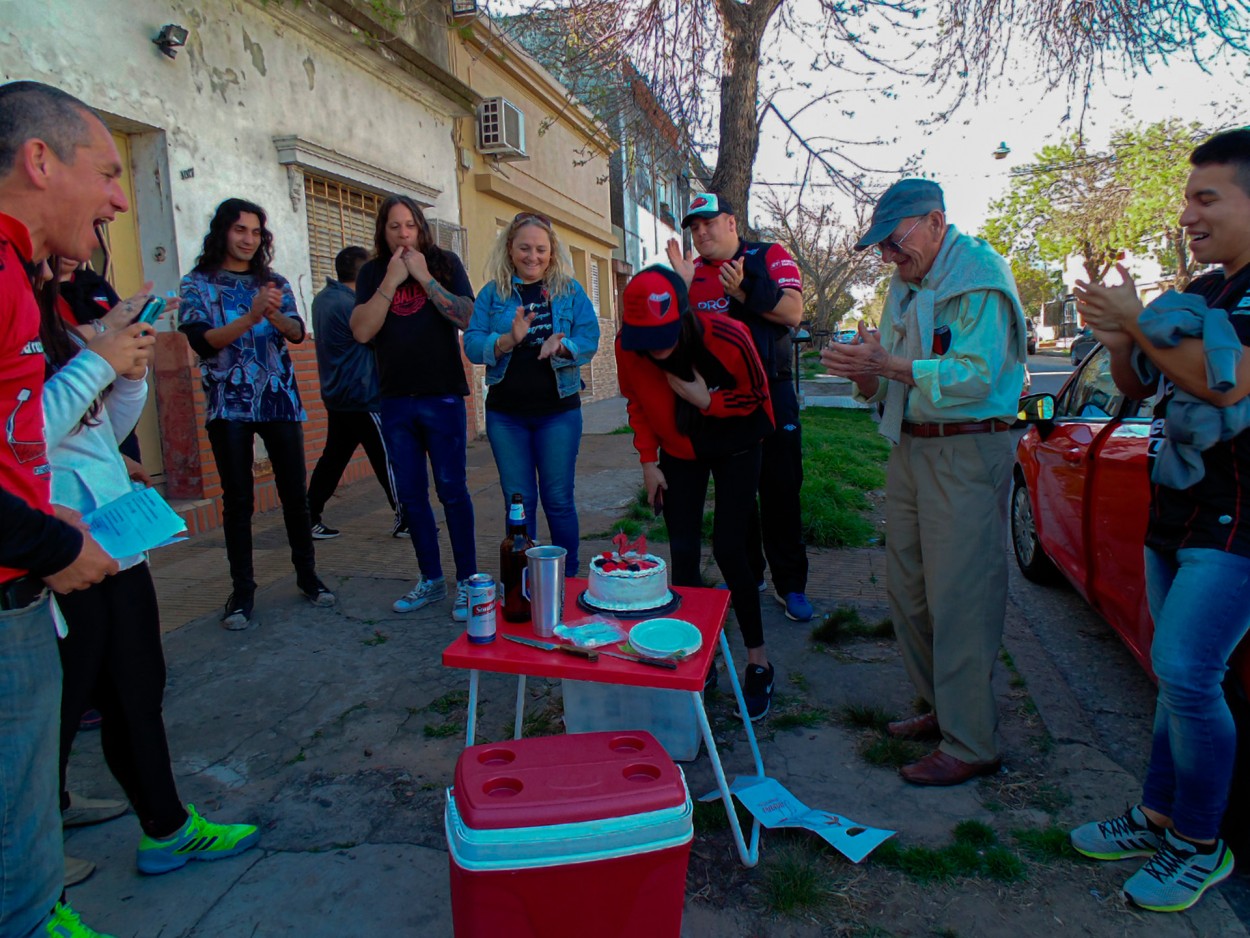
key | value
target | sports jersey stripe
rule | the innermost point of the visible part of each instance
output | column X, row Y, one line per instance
column 743, row 341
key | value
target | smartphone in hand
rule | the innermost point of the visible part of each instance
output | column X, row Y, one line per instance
column 152, row 310
column 658, row 504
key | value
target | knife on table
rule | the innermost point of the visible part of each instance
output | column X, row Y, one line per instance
column 643, row 659
column 588, row 653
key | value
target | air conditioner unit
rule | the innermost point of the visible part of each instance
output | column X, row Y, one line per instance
column 451, row 237
column 501, row 129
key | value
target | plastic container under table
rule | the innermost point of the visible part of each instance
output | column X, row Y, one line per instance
column 563, row 836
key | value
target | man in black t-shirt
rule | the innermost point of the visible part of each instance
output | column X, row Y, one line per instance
column 412, row 300
column 1197, row 544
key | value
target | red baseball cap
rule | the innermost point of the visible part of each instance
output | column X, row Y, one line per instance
column 654, row 302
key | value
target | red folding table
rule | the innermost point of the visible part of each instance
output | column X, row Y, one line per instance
column 704, row 608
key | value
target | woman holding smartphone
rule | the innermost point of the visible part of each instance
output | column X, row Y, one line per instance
column 111, row 655
column 533, row 327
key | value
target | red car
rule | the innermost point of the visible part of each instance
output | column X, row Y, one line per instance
column 1079, row 506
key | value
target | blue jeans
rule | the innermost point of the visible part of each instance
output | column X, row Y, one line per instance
column 1200, row 600
column 544, row 447
column 32, row 864
column 416, row 428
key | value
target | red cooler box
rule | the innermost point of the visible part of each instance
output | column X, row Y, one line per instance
column 583, row 834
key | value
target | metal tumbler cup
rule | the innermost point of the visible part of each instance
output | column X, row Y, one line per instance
column 543, row 586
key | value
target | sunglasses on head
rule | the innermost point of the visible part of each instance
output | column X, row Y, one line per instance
column 521, row 218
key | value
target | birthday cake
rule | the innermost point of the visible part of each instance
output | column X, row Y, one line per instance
column 628, row 579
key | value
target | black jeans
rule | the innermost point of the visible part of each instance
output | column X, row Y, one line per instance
column 112, row 660
column 736, row 479
column 345, row 430
column 233, row 444
column 777, row 522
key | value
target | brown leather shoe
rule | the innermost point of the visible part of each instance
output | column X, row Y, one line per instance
column 937, row 768
column 924, row 726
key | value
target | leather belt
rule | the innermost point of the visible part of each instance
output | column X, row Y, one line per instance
column 928, row 430
column 20, row 593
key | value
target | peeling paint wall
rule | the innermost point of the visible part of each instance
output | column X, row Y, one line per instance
column 249, row 72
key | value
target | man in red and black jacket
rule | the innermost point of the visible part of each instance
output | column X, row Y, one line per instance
column 59, row 178
column 758, row 284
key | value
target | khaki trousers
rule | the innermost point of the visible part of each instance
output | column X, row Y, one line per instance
column 946, row 576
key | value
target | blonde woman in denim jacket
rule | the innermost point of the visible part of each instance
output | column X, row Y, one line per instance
column 533, row 327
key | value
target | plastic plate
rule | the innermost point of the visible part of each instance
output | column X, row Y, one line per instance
column 665, row 638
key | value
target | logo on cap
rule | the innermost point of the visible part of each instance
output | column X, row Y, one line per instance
column 699, row 203
column 659, row 304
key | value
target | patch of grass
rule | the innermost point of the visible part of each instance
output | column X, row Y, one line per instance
column 545, row 721
column 710, row 816
column 379, row 638
column 443, row 730
column 866, row 716
column 837, row 625
column 843, row 460
column 845, row 624
column 799, row 681
column 452, row 700
column 800, row 716
column 975, row 833
column 1002, row 866
column 298, row 757
column 888, row 751
column 1046, row 844
column 795, row 880
column 621, row 431
column 974, row 851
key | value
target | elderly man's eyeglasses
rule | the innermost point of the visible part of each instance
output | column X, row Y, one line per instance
column 889, row 244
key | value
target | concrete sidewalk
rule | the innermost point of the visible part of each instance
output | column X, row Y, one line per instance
column 337, row 730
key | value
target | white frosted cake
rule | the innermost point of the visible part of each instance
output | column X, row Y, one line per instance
column 628, row 582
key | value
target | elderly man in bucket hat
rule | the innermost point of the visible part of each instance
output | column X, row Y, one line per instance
column 948, row 369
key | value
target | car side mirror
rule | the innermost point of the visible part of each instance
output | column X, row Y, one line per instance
column 1037, row 408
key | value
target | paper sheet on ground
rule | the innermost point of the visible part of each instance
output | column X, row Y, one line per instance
column 774, row 806
column 134, row 523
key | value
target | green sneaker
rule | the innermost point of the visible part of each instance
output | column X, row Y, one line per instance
column 198, row 839
column 65, row 923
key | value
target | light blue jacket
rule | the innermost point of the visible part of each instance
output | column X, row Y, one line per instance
column 1193, row 425
column 87, row 469
column 571, row 314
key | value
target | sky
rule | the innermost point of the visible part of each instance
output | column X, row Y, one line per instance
column 886, row 121
column 1020, row 112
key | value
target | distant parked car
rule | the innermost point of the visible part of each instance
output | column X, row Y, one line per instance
column 1031, row 329
column 1082, row 345
column 1079, row 506
column 846, row 336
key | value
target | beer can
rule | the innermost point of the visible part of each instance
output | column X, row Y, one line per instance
column 481, row 625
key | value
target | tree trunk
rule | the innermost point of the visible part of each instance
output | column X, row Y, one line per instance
column 1183, row 272
column 743, row 25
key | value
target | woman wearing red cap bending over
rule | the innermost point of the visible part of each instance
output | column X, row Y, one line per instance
column 699, row 407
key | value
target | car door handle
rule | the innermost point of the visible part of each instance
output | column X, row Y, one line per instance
column 1072, row 455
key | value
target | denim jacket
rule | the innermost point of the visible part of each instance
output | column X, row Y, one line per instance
column 571, row 314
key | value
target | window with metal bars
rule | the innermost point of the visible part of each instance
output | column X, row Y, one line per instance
column 338, row 215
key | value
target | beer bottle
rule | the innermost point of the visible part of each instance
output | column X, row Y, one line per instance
column 512, row 561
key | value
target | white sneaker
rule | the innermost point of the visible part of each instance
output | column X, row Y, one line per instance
column 424, row 593
column 460, row 611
